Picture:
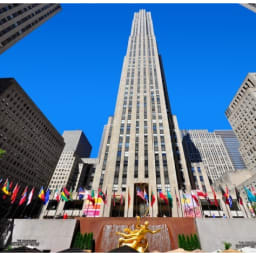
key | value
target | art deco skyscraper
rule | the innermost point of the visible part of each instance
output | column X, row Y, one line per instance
column 141, row 146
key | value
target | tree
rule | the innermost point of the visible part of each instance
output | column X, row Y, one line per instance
column 197, row 243
column 2, row 152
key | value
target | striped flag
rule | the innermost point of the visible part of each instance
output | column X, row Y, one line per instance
column 30, row 196
column 15, row 193
column 23, row 196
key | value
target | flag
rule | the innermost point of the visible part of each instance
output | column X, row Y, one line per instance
column 23, row 196
column 102, row 195
column 57, row 195
column 177, row 199
column 14, row 193
column 5, row 188
column 162, row 196
column 41, row 194
column 194, row 197
column 140, row 194
column 81, row 193
column 10, row 186
column 30, row 196
column 153, row 198
column 114, row 199
column 215, row 197
column 253, row 190
column 251, row 197
column 169, row 199
column 66, row 192
column 91, row 198
column 146, row 196
column 71, row 194
column 229, row 198
column 63, row 196
column 202, row 194
column 47, row 196
column 129, row 198
column 239, row 198
column 224, row 195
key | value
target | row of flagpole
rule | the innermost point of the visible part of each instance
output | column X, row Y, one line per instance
column 66, row 195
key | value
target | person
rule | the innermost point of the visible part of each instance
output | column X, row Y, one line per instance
column 213, row 216
column 224, row 216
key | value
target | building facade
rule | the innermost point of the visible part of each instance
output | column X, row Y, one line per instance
column 68, row 171
column 141, row 148
column 241, row 114
column 18, row 20
column 207, row 148
column 232, row 145
column 33, row 146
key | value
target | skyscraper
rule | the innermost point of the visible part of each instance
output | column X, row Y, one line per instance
column 141, row 149
column 17, row 20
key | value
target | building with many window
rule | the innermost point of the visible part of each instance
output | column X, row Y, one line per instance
column 33, row 146
column 18, row 20
column 241, row 114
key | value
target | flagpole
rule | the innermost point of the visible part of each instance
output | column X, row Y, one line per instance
column 181, row 205
column 176, row 202
column 193, row 204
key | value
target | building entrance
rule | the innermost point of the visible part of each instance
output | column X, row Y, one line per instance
column 141, row 199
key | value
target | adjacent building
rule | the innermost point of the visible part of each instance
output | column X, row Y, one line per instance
column 68, row 171
column 208, row 149
column 141, row 148
column 241, row 114
column 232, row 146
column 18, row 20
column 32, row 144
column 250, row 6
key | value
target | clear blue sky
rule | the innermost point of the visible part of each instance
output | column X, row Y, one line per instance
column 71, row 65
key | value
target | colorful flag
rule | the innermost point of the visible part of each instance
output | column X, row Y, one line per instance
column 201, row 193
column 140, row 194
column 253, row 190
column 102, row 195
column 169, row 196
column 81, row 193
column 57, row 195
column 5, row 188
column 229, row 198
column 30, row 196
column 194, row 197
column 129, row 198
column 215, row 197
column 23, row 196
column 224, row 195
column 15, row 193
column 239, row 198
column 251, row 197
column 41, row 194
column 162, row 196
column 47, row 196
column 66, row 192
column 146, row 196
column 71, row 194
column 63, row 196
column 91, row 198
column 153, row 198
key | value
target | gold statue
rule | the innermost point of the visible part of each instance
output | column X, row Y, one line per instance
column 136, row 238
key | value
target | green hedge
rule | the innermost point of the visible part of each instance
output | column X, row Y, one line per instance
column 189, row 242
column 84, row 242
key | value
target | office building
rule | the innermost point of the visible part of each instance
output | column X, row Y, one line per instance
column 208, row 149
column 250, row 6
column 232, row 145
column 18, row 20
column 241, row 114
column 33, row 146
column 68, row 171
column 141, row 148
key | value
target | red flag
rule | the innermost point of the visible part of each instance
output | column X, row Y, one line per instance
column 200, row 193
column 253, row 190
column 114, row 199
column 153, row 198
column 10, row 186
column 162, row 196
column 121, row 200
column 23, row 196
column 195, row 198
column 129, row 198
column 215, row 197
column 140, row 194
column 66, row 192
column 89, row 197
column 14, row 193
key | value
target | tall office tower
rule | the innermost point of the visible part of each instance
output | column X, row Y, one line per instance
column 141, row 147
column 67, row 171
column 207, row 148
column 232, row 145
column 241, row 114
column 251, row 6
column 17, row 20
column 33, row 146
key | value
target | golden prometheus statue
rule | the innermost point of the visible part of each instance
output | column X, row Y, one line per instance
column 136, row 238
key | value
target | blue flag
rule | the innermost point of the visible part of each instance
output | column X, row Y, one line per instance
column 47, row 195
column 81, row 193
column 250, row 195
